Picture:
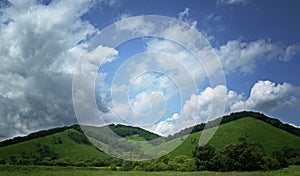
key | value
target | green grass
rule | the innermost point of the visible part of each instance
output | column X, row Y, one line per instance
column 68, row 149
column 6, row 170
column 253, row 130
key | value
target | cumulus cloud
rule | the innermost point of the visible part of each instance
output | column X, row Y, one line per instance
column 41, row 48
column 265, row 97
column 239, row 56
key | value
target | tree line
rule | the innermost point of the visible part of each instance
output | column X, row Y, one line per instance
column 241, row 156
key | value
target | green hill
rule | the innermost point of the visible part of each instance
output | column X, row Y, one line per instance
column 65, row 144
column 70, row 144
column 247, row 128
column 61, row 143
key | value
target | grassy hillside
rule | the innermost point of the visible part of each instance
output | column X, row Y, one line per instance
column 71, row 144
column 67, row 143
column 68, row 148
column 251, row 129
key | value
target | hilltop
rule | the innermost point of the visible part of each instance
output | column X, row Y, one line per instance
column 66, row 145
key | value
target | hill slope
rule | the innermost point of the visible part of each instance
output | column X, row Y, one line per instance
column 68, row 143
column 71, row 144
column 247, row 128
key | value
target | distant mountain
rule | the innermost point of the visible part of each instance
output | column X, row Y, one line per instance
column 70, row 145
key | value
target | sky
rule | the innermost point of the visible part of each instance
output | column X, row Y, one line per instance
column 190, row 62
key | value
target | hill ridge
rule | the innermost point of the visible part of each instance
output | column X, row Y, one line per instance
column 235, row 116
column 190, row 130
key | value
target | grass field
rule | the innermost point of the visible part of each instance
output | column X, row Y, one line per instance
column 253, row 130
column 68, row 149
column 7, row 170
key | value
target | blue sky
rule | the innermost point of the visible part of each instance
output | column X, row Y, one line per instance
column 256, row 42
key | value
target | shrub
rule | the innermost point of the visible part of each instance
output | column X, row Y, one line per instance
column 2, row 162
column 62, row 162
column 113, row 167
column 270, row 163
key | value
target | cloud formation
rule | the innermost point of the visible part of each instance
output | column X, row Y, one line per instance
column 239, row 56
column 42, row 44
column 265, row 96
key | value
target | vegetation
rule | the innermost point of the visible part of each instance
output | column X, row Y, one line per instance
column 9, row 170
column 36, row 135
column 239, row 144
column 236, row 116
column 242, row 156
column 250, row 129
column 126, row 131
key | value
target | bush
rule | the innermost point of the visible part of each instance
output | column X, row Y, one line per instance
column 244, row 156
column 101, row 162
column 113, row 167
column 13, row 159
column 281, row 158
column 294, row 161
column 80, row 164
column 2, row 162
column 47, row 161
column 62, row 162
column 22, row 161
column 187, row 166
column 129, row 165
column 203, row 157
column 270, row 163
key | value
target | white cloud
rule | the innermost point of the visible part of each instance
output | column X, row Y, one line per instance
column 238, row 56
column 38, row 59
column 184, row 14
column 265, row 97
column 138, row 26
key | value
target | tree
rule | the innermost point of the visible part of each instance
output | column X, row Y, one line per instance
column 281, row 158
column 13, row 159
column 2, row 162
column 204, row 157
column 244, row 156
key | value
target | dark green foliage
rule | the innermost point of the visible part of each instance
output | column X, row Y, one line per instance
column 204, row 157
column 22, row 161
column 270, row 163
column 113, row 167
column 164, row 163
column 79, row 138
column 45, row 151
column 62, row 162
column 287, row 156
column 2, row 162
column 244, row 157
column 125, row 131
column 279, row 155
column 57, row 140
column 101, row 162
column 129, row 165
column 13, row 160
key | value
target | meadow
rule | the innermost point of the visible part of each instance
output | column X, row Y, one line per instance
column 7, row 170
